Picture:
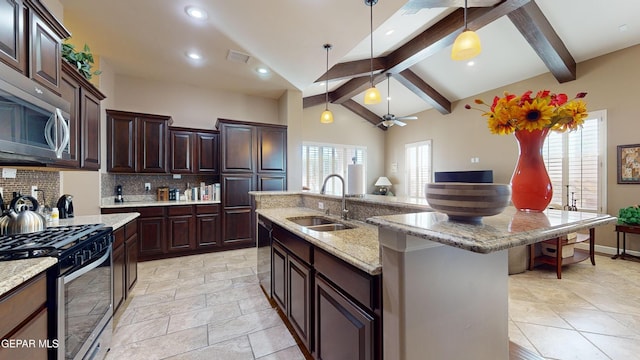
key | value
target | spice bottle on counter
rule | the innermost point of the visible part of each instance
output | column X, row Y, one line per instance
column 55, row 216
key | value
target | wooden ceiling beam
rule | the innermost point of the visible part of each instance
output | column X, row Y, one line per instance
column 357, row 68
column 537, row 30
column 364, row 113
column 414, row 83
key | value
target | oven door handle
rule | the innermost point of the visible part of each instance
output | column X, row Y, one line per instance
column 76, row 274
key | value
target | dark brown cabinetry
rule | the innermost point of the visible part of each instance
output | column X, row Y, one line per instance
column 334, row 308
column 84, row 119
column 25, row 316
column 137, row 143
column 193, row 151
column 168, row 231
column 30, row 41
column 125, row 262
column 252, row 157
column 181, row 227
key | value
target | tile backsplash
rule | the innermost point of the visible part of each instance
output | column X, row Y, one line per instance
column 133, row 184
column 47, row 181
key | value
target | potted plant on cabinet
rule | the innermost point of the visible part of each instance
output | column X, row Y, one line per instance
column 81, row 60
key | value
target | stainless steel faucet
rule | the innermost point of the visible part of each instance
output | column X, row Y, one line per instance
column 345, row 212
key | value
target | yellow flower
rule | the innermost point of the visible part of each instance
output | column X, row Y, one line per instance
column 536, row 115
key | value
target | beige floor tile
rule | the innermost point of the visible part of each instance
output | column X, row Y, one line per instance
column 615, row 347
column 253, row 304
column 207, row 287
column 131, row 333
column 229, row 274
column 233, row 294
column 516, row 336
column 243, row 325
column 234, row 349
column 290, row 353
column 169, row 308
column 161, row 347
column 535, row 313
column 561, row 344
column 212, row 314
column 271, row 340
column 595, row 321
column 153, row 298
column 174, row 284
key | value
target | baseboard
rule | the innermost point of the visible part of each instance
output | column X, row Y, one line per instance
column 605, row 249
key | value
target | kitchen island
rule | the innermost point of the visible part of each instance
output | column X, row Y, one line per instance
column 444, row 283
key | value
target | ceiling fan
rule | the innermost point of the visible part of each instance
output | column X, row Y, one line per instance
column 389, row 119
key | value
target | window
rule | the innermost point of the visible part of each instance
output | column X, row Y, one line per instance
column 418, row 167
column 320, row 160
column 576, row 162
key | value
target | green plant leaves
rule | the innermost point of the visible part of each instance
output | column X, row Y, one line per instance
column 629, row 215
column 82, row 60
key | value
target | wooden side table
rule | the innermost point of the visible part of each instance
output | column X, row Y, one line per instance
column 624, row 229
column 558, row 260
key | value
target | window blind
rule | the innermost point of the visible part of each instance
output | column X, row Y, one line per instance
column 321, row 160
column 417, row 168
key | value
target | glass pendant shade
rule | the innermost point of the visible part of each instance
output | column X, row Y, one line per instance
column 466, row 46
column 326, row 117
column 372, row 96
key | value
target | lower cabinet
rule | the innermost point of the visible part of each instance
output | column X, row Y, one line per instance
column 125, row 262
column 25, row 316
column 334, row 308
column 169, row 231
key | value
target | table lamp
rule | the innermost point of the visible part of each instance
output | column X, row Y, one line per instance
column 383, row 183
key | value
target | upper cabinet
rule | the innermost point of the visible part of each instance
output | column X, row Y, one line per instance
column 193, row 151
column 272, row 149
column 238, row 147
column 30, row 41
column 84, row 119
column 137, row 143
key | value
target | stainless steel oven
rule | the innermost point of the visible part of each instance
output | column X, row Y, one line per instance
column 83, row 299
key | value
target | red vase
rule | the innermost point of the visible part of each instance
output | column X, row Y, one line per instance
column 531, row 188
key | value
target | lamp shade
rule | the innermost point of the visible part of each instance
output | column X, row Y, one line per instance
column 466, row 46
column 372, row 96
column 383, row 181
column 326, row 117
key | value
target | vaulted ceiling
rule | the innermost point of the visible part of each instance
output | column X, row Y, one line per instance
column 412, row 40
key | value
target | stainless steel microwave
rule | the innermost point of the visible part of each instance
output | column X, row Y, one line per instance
column 34, row 122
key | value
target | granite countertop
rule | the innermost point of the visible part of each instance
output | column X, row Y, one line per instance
column 113, row 220
column 509, row 229
column 358, row 246
column 14, row 273
column 139, row 203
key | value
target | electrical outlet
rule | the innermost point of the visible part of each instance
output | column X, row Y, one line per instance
column 147, row 186
column 321, row 205
column 34, row 193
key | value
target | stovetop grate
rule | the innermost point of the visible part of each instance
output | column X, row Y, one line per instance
column 48, row 242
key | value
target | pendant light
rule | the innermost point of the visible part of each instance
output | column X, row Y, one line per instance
column 467, row 44
column 327, row 116
column 372, row 95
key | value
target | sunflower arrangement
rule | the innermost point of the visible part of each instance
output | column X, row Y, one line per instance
column 512, row 113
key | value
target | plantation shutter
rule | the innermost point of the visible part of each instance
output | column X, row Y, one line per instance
column 322, row 160
column 573, row 162
column 418, row 167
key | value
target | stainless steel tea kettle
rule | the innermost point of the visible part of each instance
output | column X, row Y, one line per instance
column 20, row 219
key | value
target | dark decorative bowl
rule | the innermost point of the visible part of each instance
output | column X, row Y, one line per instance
column 468, row 202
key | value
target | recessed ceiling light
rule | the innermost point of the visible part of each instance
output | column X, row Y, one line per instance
column 471, row 63
column 262, row 70
column 194, row 56
column 196, row 13
column 389, row 32
column 623, row 28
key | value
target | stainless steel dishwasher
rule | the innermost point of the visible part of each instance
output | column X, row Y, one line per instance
column 264, row 254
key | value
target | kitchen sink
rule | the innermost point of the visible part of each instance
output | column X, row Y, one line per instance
column 311, row 220
column 319, row 223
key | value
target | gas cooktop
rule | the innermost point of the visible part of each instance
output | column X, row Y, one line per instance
column 52, row 241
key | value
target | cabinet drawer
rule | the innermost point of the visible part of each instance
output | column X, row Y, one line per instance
column 180, row 210
column 21, row 303
column 151, row 211
column 360, row 285
column 207, row 209
column 131, row 229
column 300, row 247
column 118, row 237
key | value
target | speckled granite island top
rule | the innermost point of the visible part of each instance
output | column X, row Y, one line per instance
column 358, row 246
column 14, row 273
column 509, row 229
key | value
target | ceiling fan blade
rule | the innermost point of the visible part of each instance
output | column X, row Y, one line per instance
column 407, row 118
column 399, row 123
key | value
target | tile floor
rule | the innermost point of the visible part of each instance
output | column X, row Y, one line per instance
column 211, row 307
